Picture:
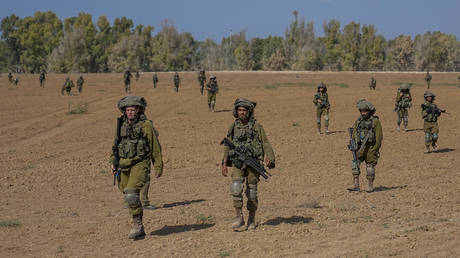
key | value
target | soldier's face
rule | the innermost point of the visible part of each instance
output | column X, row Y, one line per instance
column 429, row 98
column 131, row 112
column 242, row 113
column 321, row 89
column 364, row 113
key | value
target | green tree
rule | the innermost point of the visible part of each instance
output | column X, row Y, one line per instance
column 331, row 41
column 11, row 49
column 351, row 46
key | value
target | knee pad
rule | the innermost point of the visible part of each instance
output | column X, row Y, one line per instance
column 355, row 167
column 251, row 192
column 427, row 138
column 132, row 198
column 326, row 117
column 213, row 102
column 370, row 171
column 435, row 137
column 236, row 189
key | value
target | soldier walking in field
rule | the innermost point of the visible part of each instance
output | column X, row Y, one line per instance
column 372, row 83
column 430, row 115
column 67, row 86
column 212, row 89
column 155, row 80
column 202, row 80
column 176, row 80
column 402, row 104
column 80, row 83
column 127, row 78
column 459, row 81
column 247, row 134
column 321, row 101
column 10, row 77
column 136, row 146
column 42, row 79
column 137, row 76
column 368, row 136
column 428, row 78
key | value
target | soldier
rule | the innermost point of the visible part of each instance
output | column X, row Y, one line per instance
column 321, row 101
column 155, row 80
column 10, row 77
column 247, row 132
column 368, row 135
column 67, row 86
column 137, row 146
column 428, row 78
column 127, row 77
column 137, row 75
column 176, row 82
column 202, row 80
column 430, row 114
column 80, row 83
column 212, row 89
column 42, row 79
column 459, row 81
column 16, row 81
column 372, row 83
column 402, row 104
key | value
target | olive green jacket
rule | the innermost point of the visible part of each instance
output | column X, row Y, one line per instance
column 377, row 127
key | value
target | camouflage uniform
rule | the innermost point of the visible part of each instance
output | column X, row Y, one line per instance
column 67, row 86
column 80, row 83
column 459, row 81
column 321, row 101
column 252, row 135
column 155, row 80
column 368, row 135
column 372, row 83
column 430, row 114
column 202, row 80
column 137, row 75
column 212, row 89
column 42, row 79
column 10, row 77
column 428, row 79
column 402, row 104
column 127, row 77
column 176, row 82
column 138, row 147
column 16, row 81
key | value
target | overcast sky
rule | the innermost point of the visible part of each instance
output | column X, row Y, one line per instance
column 261, row 18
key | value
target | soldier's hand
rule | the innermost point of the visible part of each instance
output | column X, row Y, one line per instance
column 224, row 168
column 114, row 171
column 158, row 174
column 268, row 163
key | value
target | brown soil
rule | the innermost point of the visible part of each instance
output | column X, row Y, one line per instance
column 54, row 166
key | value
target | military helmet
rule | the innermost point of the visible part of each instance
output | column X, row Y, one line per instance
column 212, row 77
column 241, row 102
column 404, row 86
column 130, row 101
column 429, row 94
column 322, row 85
column 363, row 104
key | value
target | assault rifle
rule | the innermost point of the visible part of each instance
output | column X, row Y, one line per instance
column 429, row 109
column 116, row 157
column 242, row 158
column 353, row 147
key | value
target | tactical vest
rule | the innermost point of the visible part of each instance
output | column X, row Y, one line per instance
column 405, row 100
column 212, row 87
column 133, row 144
column 432, row 116
column 366, row 132
column 322, row 100
column 246, row 136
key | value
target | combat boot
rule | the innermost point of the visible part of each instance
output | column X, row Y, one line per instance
column 209, row 105
column 427, row 149
column 138, row 228
column 327, row 130
column 435, row 147
column 355, row 186
column 370, row 185
column 239, row 220
column 252, row 220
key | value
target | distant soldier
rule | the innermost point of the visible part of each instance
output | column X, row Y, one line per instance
column 372, row 83
column 459, row 81
column 137, row 75
column 428, row 79
column 321, row 101
column 127, row 77
column 10, row 77
column 67, row 86
column 202, row 80
column 212, row 89
column 80, row 83
column 430, row 114
column 42, row 79
column 16, row 81
column 176, row 82
column 402, row 104
column 155, row 80
column 368, row 136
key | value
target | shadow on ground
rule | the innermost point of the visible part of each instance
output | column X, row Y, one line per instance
column 186, row 202
column 291, row 220
column 223, row 110
column 385, row 188
column 414, row 130
column 443, row 150
column 334, row 132
column 168, row 230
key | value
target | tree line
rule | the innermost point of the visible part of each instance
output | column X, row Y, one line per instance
column 77, row 44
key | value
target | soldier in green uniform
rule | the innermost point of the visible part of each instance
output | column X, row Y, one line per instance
column 368, row 135
column 212, row 89
column 248, row 132
column 67, row 86
column 127, row 77
column 321, row 101
column 15, row 81
column 372, row 83
column 138, row 147
column 428, row 79
column 176, row 82
column 10, row 77
column 42, row 79
column 430, row 114
column 155, row 80
column 402, row 104
column 80, row 83
column 137, row 76
column 459, row 81
column 202, row 80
